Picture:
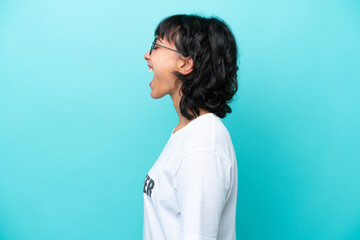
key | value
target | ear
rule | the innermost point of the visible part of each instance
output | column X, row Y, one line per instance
column 185, row 65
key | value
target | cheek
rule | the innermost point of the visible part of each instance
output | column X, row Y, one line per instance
column 167, row 63
column 164, row 71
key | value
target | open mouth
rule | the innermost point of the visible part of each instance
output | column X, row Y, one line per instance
column 150, row 68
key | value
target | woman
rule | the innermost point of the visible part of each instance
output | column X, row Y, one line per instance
column 190, row 192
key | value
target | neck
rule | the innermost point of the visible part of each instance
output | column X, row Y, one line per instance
column 183, row 121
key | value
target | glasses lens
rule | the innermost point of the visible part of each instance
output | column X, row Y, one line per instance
column 152, row 45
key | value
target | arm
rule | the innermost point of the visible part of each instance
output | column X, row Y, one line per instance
column 203, row 181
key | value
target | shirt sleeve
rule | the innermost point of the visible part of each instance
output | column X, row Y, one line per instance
column 203, row 182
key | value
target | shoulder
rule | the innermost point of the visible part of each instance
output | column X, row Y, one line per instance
column 202, row 169
column 207, row 134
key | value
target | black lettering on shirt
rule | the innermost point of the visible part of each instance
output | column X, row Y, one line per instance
column 148, row 185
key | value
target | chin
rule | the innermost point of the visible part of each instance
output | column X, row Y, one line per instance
column 154, row 96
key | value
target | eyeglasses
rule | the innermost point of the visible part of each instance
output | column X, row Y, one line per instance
column 154, row 43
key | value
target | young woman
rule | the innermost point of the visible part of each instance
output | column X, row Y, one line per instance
column 190, row 192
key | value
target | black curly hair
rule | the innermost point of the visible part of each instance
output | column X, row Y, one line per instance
column 212, row 47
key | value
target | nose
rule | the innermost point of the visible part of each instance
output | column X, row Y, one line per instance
column 147, row 56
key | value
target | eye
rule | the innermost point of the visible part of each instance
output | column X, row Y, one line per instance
column 156, row 47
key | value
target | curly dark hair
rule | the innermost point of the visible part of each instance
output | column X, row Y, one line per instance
column 212, row 47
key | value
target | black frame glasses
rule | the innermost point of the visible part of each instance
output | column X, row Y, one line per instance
column 154, row 43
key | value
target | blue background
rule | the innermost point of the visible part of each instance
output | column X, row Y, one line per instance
column 79, row 130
